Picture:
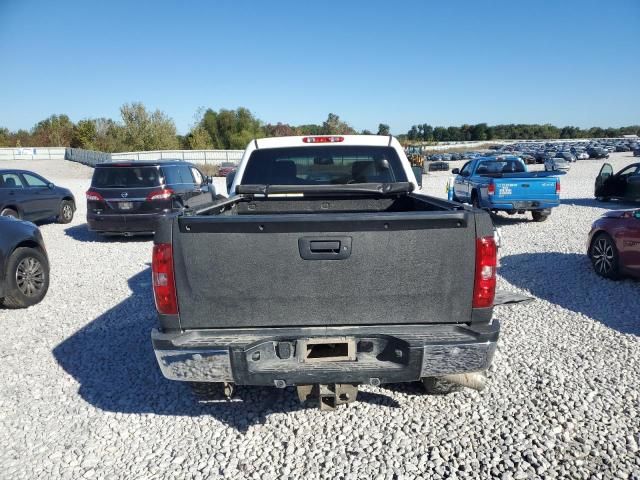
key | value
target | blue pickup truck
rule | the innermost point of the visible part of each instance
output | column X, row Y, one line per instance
column 503, row 184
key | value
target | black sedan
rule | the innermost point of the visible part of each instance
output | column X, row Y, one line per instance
column 24, row 267
column 624, row 185
column 28, row 196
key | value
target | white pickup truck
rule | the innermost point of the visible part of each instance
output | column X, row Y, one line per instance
column 236, row 178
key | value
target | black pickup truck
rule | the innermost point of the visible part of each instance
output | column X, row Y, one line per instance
column 325, row 270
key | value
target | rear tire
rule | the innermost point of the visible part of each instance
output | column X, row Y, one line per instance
column 475, row 201
column 9, row 212
column 438, row 386
column 65, row 214
column 27, row 278
column 604, row 256
column 538, row 216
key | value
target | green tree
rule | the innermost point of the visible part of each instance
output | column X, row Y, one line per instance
column 383, row 129
column 231, row 129
column 198, row 139
column 84, row 135
column 279, row 130
column 54, row 131
column 427, row 132
column 334, row 126
column 147, row 131
column 309, row 129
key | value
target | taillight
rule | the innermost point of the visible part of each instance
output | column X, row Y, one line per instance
column 164, row 286
column 163, row 194
column 491, row 189
column 558, row 186
column 484, row 288
column 330, row 139
column 93, row 196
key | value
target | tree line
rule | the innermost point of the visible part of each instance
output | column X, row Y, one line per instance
column 482, row 132
column 141, row 129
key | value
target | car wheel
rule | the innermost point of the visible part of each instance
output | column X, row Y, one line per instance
column 27, row 278
column 604, row 256
column 9, row 212
column 539, row 216
column 65, row 215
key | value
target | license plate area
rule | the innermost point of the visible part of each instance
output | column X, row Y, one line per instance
column 526, row 204
column 125, row 205
column 326, row 349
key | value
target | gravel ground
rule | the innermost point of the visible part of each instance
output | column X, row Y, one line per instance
column 82, row 396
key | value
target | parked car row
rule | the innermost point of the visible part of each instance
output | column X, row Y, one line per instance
column 572, row 150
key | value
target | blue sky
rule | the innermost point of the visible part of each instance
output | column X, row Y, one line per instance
column 401, row 63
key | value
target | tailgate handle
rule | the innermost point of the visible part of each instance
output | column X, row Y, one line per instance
column 324, row 248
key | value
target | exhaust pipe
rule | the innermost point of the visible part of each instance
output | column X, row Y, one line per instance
column 475, row 380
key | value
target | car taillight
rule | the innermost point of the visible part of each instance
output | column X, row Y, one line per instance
column 491, row 189
column 558, row 186
column 484, row 288
column 164, row 287
column 329, row 139
column 94, row 196
column 163, row 194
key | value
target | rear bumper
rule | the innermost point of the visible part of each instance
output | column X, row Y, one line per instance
column 118, row 223
column 384, row 354
column 524, row 205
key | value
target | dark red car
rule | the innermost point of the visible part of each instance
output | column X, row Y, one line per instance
column 614, row 244
column 226, row 168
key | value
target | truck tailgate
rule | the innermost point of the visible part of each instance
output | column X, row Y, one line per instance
column 532, row 188
column 251, row 271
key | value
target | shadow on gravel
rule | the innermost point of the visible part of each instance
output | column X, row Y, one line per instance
column 592, row 202
column 503, row 220
column 113, row 361
column 82, row 234
column 568, row 280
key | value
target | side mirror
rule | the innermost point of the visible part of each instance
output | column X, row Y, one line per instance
column 230, row 176
column 208, row 180
column 51, row 186
column 456, row 171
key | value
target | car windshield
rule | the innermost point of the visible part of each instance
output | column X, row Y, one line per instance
column 125, row 177
column 323, row 166
column 500, row 166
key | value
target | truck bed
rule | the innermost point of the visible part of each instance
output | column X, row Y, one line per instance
column 339, row 261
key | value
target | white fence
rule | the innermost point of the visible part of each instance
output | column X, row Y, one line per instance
column 209, row 157
column 32, row 153
column 88, row 157
column 212, row 157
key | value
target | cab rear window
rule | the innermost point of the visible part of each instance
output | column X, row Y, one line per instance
column 323, row 166
column 125, row 177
